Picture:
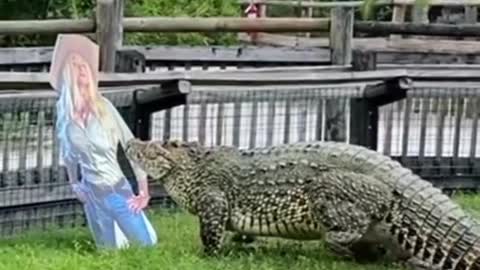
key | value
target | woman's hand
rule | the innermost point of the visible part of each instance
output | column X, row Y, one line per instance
column 139, row 202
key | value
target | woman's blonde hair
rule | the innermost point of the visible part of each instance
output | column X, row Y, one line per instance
column 66, row 103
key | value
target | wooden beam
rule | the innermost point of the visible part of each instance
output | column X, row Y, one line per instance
column 224, row 24
column 216, row 54
column 456, row 3
column 169, row 24
column 36, row 80
column 386, row 28
column 109, row 32
column 332, row 4
column 55, row 26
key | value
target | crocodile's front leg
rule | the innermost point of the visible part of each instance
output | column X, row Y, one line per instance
column 213, row 215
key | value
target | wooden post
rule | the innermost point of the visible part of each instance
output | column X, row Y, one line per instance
column 363, row 114
column 109, row 30
column 471, row 15
column 341, row 35
column 420, row 15
column 398, row 16
column 341, row 38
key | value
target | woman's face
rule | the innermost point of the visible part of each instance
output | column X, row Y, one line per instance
column 81, row 77
column 81, row 71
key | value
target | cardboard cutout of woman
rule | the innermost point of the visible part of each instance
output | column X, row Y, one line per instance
column 89, row 129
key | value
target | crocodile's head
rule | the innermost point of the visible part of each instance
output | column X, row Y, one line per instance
column 151, row 156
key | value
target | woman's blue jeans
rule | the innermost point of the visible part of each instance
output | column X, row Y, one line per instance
column 110, row 205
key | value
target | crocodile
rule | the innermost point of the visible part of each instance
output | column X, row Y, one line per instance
column 363, row 204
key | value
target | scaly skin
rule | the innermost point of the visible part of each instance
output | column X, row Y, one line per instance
column 363, row 204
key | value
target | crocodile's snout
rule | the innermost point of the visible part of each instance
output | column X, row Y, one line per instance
column 134, row 148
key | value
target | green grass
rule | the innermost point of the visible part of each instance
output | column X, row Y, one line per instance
column 179, row 248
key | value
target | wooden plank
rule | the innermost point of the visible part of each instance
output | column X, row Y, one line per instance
column 441, row 2
column 314, row 4
column 266, row 94
column 109, row 29
column 333, row 4
column 248, row 54
column 223, row 24
column 412, row 28
column 304, row 54
column 36, row 80
column 168, row 24
column 53, row 26
column 425, row 58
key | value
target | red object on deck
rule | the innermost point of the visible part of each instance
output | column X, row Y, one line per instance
column 253, row 11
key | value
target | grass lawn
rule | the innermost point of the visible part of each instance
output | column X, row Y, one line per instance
column 179, row 248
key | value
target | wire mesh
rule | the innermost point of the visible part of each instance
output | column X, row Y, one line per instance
column 258, row 116
column 434, row 131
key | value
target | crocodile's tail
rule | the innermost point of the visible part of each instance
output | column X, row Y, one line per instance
column 430, row 226
column 435, row 235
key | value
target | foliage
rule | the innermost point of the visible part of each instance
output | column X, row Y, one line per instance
column 52, row 9
column 182, row 8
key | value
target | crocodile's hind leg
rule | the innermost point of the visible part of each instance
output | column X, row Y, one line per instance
column 213, row 214
column 345, row 226
column 347, row 205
